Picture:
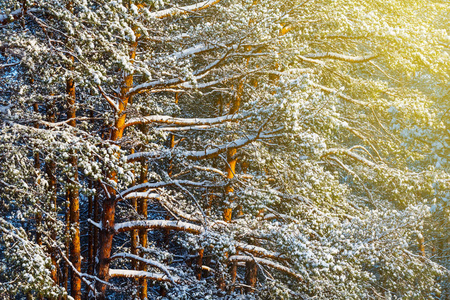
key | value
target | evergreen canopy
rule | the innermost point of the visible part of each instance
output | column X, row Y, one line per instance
column 221, row 149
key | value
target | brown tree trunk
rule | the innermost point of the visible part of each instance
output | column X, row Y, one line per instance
column 75, row 247
column 135, row 232
column 251, row 275
column 231, row 158
column 421, row 245
column 97, row 220
column 231, row 171
column 37, row 166
column 50, row 168
column 143, row 290
column 106, row 239
column 65, row 273
column 109, row 205
column 91, row 232
column 200, row 263
column 72, row 197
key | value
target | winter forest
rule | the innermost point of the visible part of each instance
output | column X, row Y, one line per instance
column 224, row 149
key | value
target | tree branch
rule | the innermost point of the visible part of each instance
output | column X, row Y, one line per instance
column 159, row 224
column 175, row 11
column 343, row 57
column 149, row 262
column 141, row 274
column 266, row 262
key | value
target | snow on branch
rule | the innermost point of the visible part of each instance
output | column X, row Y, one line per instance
column 199, row 48
column 143, row 195
column 195, row 217
column 186, row 128
column 9, row 65
column 158, row 85
column 159, row 224
column 186, row 121
column 98, row 225
column 14, row 15
column 156, row 154
column 210, row 153
column 343, row 57
column 339, row 94
column 142, row 274
column 266, row 262
column 161, row 184
column 149, row 262
column 259, row 251
column 350, row 154
column 111, row 102
column 175, row 11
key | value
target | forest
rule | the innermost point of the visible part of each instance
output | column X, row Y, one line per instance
column 224, row 149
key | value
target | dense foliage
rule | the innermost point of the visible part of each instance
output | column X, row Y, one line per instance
column 221, row 149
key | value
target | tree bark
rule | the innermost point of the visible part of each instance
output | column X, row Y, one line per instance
column 251, row 275
column 109, row 205
column 143, row 290
column 231, row 171
column 73, row 197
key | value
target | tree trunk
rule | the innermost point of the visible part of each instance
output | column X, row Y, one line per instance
column 200, row 264
column 75, row 248
column 91, row 232
column 421, row 245
column 134, row 233
column 106, row 239
column 72, row 197
column 231, row 158
column 96, row 231
column 143, row 290
column 109, row 205
column 251, row 275
column 37, row 166
column 231, row 171
column 50, row 168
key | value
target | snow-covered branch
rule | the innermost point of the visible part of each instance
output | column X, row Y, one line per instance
column 343, row 57
column 175, row 11
column 156, row 154
column 149, row 262
column 156, row 85
column 213, row 152
column 161, row 184
column 266, row 262
column 9, row 65
column 339, row 94
column 259, row 251
column 350, row 154
column 196, row 217
column 159, row 224
column 142, row 274
column 111, row 102
column 143, row 195
column 186, row 121
column 14, row 15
